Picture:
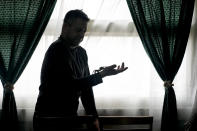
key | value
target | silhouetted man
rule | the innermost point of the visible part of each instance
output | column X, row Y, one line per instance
column 65, row 75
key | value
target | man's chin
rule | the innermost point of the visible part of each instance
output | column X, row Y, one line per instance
column 75, row 45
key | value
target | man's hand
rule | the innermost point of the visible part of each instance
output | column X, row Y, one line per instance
column 112, row 70
column 96, row 125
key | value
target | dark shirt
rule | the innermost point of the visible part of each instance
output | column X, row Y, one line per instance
column 65, row 77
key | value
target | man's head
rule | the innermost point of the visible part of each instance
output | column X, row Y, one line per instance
column 74, row 27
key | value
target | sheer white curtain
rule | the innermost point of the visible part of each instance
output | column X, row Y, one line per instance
column 111, row 39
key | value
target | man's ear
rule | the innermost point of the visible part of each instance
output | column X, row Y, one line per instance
column 65, row 28
column 65, row 25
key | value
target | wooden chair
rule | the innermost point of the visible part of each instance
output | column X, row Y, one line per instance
column 80, row 123
column 126, row 123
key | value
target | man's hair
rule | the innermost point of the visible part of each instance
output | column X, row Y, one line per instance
column 74, row 14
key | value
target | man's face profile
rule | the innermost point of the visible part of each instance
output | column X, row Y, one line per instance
column 76, row 31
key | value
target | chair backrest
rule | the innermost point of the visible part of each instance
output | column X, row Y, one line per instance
column 126, row 123
column 81, row 123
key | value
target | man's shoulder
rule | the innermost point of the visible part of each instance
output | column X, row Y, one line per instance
column 82, row 52
column 55, row 45
column 81, row 49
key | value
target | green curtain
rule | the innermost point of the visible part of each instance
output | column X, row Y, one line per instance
column 22, row 23
column 164, row 27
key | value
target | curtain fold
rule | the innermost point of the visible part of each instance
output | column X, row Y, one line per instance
column 22, row 24
column 164, row 27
